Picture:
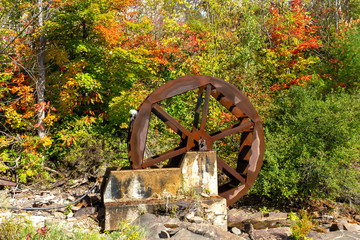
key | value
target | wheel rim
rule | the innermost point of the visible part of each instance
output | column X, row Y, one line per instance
column 252, row 145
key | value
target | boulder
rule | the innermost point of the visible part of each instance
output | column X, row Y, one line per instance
column 280, row 233
column 85, row 212
column 157, row 231
column 353, row 227
column 336, row 227
column 240, row 218
column 186, row 234
column 236, row 217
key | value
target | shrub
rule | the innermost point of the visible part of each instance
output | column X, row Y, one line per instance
column 312, row 146
column 301, row 225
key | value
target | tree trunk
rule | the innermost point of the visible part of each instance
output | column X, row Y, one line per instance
column 40, row 85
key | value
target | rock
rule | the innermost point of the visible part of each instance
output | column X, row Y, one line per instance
column 216, row 213
column 146, row 220
column 336, row 211
column 59, row 215
column 248, row 228
column 38, row 221
column 275, row 216
column 272, row 233
column 85, row 212
column 189, row 216
column 205, row 230
column 196, row 219
column 225, row 235
column 185, row 225
column 182, row 204
column 172, row 223
column 70, row 215
column 332, row 235
column 313, row 235
column 71, row 198
column 327, row 218
column 336, row 227
column 19, row 195
column 185, row 234
column 39, row 199
column 357, row 218
column 235, row 231
column 23, row 204
column 172, row 231
column 341, row 220
column 353, row 227
column 256, row 217
column 72, row 219
column 236, row 217
column 164, row 234
column 75, row 208
column 155, row 231
column 40, row 213
column 211, row 232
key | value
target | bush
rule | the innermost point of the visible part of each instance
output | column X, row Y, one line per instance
column 81, row 147
column 301, row 225
column 312, row 146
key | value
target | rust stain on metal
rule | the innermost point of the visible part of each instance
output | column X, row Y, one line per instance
column 252, row 143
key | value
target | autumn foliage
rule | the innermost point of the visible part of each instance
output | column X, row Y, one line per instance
column 293, row 36
column 103, row 57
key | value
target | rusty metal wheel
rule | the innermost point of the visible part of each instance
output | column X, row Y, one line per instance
column 248, row 124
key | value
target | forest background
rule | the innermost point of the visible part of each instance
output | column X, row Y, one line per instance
column 72, row 69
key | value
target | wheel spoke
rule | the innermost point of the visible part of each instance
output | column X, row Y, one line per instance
column 166, row 155
column 234, row 194
column 228, row 171
column 227, row 103
column 244, row 125
column 244, row 152
column 169, row 121
column 197, row 109
column 205, row 107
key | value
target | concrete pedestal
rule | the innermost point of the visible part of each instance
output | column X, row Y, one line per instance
column 199, row 172
column 129, row 193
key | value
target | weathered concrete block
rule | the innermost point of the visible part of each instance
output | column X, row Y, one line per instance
column 129, row 211
column 199, row 171
column 141, row 184
column 127, row 194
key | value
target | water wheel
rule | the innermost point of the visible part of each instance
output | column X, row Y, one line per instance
column 248, row 125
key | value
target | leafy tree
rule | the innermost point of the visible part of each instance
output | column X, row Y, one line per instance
column 341, row 67
column 292, row 34
column 20, row 104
